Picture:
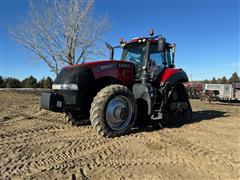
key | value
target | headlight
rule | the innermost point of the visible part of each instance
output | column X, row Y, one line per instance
column 65, row 86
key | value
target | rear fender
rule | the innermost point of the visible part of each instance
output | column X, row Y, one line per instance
column 172, row 76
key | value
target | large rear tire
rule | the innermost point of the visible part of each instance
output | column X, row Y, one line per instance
column 113, row 111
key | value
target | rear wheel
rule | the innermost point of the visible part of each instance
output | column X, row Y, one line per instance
column 113, row 111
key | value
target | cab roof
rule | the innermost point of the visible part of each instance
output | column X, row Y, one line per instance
column 143, row 39
column 133, row 40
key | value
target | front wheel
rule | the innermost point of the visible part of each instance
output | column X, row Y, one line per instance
column 113, row 111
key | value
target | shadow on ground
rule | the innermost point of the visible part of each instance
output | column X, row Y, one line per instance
column 198, row 116
column 206, row 115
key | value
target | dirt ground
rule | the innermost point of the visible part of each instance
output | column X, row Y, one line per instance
column 37, row 144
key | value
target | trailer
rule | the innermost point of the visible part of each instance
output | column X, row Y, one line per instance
column 236, row 91
column 223, row 92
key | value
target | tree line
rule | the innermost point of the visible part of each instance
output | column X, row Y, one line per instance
column 32, row 82
column 29, row 82
column 233, row 79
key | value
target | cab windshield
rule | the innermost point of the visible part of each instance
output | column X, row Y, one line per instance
column 136, row 53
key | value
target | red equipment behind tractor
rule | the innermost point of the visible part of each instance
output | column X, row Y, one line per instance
column 113, row 93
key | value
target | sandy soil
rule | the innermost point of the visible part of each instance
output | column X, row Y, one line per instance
column 36, row 144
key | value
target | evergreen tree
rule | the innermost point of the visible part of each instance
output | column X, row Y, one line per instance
column 12, row 83
column 224, row 80
column 206, row 81
column 41, row 83
column 48, row 83
column 219, row 80
column 214, row 81
column 29, row 82
column 2, row 85
column 234, row 78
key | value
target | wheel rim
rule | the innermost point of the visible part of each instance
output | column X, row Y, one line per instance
column 119, row 112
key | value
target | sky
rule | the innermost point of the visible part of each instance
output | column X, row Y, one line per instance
column 206, row 33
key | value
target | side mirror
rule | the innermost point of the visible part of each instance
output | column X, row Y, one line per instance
column 161, row 44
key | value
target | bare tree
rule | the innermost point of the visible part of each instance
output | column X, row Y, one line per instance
column 61, row 32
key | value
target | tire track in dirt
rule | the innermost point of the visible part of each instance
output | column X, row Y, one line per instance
column 188, row 151
column 166, row 152
column 126, row 161
column 18, row 143
column 39, row 115
column 50, row 125
column 27, row 132
column 100, row 158
column 164, row 142
column 42, row 137
column 68, row 151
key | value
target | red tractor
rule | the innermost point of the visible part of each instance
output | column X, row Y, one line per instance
column 113, row 93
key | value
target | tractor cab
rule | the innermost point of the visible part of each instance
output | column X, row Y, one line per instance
column 150, row 55
column 156, row 61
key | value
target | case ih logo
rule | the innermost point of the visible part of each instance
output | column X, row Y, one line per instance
column 108, row 66
column 124, row 65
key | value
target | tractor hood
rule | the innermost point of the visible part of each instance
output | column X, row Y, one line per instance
column 74, row 75
column 90, row 71
column 98, row 63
